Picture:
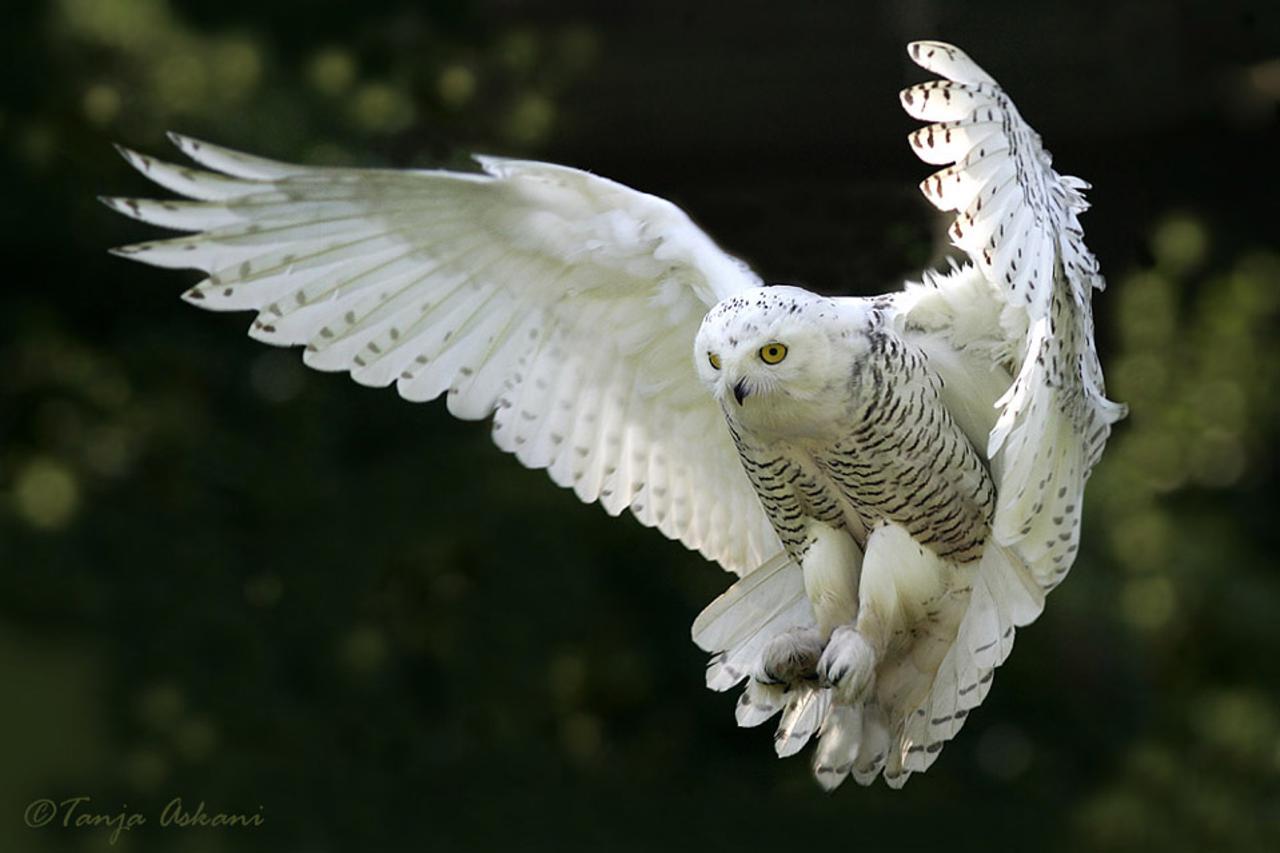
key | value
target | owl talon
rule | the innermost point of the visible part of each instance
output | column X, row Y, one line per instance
column 848, row 664
column 790, row 657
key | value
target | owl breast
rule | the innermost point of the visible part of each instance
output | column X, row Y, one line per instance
column 900, row 458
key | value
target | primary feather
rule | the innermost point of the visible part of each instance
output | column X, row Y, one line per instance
column 897, row 480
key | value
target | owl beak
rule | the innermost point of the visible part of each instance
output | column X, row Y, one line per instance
column 741, row 391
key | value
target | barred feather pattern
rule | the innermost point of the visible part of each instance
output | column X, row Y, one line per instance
column 906, row 461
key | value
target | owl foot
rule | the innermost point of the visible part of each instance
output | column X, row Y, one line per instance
column 790, row 657
column 848, row 664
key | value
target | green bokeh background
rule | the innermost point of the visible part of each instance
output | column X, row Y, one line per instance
column 228, row 579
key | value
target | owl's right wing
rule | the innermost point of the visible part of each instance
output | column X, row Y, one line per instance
column 563, row 303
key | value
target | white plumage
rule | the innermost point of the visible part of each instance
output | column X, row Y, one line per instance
column 897, row 480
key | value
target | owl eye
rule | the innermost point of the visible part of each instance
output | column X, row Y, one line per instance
column 714, row 359
column 773, row 353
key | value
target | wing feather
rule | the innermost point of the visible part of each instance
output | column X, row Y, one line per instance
column 562, row 303
column 1018, row 221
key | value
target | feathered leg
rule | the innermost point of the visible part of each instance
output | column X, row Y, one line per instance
column 907, row 616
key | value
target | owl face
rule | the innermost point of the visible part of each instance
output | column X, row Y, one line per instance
column 772, row 357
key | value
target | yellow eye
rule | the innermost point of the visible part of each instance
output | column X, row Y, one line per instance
column 773, row 353
column 714, row 359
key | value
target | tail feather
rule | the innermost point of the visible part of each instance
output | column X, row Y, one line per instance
column 759, row 702
column 873, row 751
column 803, row 715
column 839, row 745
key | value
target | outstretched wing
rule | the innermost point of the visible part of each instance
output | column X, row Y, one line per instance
column 563, row 303
column 1017, row 219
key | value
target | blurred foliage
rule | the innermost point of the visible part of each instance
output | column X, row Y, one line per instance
column 231, row 580
column 142, row 68
column 1186, row 500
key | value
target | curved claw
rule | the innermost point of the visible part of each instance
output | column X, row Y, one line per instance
column 848, row 664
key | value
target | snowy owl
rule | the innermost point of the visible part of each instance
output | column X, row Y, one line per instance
column 896, row 480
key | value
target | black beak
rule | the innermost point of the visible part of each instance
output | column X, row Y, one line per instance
column 740, row 391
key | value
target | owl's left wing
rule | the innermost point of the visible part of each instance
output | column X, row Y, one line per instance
column 562, row 303
column 1018, row 221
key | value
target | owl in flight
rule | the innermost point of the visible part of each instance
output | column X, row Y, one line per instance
column 897, row 481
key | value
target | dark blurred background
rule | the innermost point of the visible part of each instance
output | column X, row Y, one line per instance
column 228, row 579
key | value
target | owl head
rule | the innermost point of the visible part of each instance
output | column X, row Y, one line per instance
column 779, row 358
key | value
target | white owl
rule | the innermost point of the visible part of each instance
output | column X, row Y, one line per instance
column 897, row 480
